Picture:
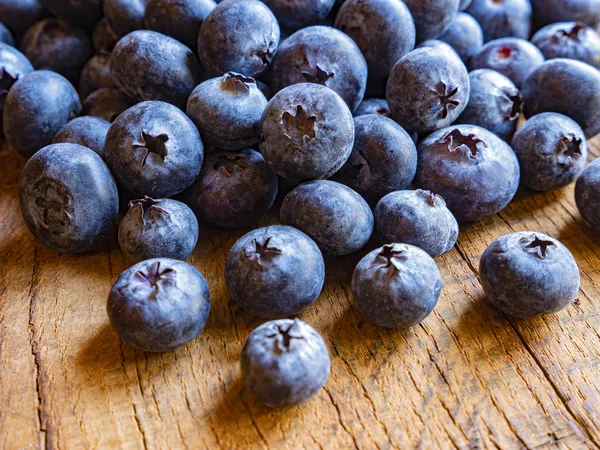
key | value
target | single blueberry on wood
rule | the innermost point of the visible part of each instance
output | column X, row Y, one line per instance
column 159, row 304
column 68, row 198
column 274, row 272
column 526, row 274
column 285, row 363
column 396, row 286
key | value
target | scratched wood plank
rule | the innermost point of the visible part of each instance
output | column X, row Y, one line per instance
column 468, row 377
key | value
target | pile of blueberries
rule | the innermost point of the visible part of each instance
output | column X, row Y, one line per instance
column 197, row 111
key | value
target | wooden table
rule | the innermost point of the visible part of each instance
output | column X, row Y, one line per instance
column 467, row 377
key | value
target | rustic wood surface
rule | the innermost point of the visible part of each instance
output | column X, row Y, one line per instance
column 468, row 377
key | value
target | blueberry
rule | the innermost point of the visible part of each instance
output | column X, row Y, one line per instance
column 233, row 189
column 18, row 15
column 6, row 36
column 125, row 16
column 502, row 18
column 142, row 75
column 103, row 37
column 285, row 363
column 513, row 57
column 274, row 272
column 495, row 103
column 569, row 40
column 526, row 274
column 95, row 74
column 568, row 87
column 322, row 55
column 56, row 45
column 68, row 198
column 227, row 111
column 383, row 30
column 106, row 103
column 84, row 13
column 154, row 149
column 13, row 65
column 307, row 132
column 418, row 218
column 159, row 304
column 427, row 89
column 476, row 172
column 373, row 106
column 396, row 286
column 36, row 108
column 384, row 158
column 295, row 14
column 432, row 17
column 335, row 216
column 240, row 36
column 464, row 36
column 87, row 131
column 551, row 11
column 552, row 151
column 162, row 228
column 180, row 20
column 587, row 194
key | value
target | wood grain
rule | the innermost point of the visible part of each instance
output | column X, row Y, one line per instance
column 468, row 377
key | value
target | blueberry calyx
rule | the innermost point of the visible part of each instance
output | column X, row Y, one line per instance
column 146, row 204
column 446, row 96
column 6, row 81
column 569, row 149
column 266, row 55
column 52, row 203
column 299, row 126
column 152, row 275
column 517, row 103
column 573, row 35
column 505, row 52
column 462, row 144
column 152, row 144
column 262, row 251
column 229, row 162
column 282, row 337
column 431, row 198
column 536, row 246
column 392, row 253
column 315, row 74
column 237, row 82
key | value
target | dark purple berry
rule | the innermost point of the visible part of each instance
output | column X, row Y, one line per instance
column 162, row 228
column 233, row 189
column 495, row 103
column 103, row 37
column 56, row 45
column 551, row 11
column 95, row 74
column 587, row 194
column 238, row 36
column 383, row 30
column 384, row 158
column 87, row 131
column 513, row 57
column 68, row 198
column 418, row 218
column 18, row 15
column 295, row 14
column 285, row 363
column 274, row 272
column 568, row 87
column 307, row 132
column 373, row 106
column 154, row 149
column 573, row 40
column 526, row 274
column 6, row 36
column 552, row 151
column 396, row 286
column 227, row 111
column 432, row 17
column 474, row 171
column 179, row 19
column 106, row 103
column 336, row 217
column 427, row 90
column 464, row 36
column 325, row 56
column 502, row 18
column 125, row 16
column 36, row 108
column 13, row 65
column 159, row 304
column 84, row 13
column 142, row 75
